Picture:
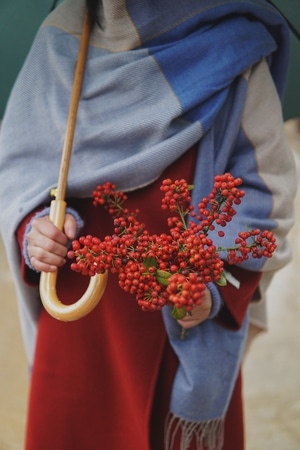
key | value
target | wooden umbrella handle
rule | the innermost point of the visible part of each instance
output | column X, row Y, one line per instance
column 97, row 283
column 48, row 294
column 73, row 108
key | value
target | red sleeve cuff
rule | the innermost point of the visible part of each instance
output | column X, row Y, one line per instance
column 236, row 301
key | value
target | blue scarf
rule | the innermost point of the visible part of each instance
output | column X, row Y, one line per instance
column 209, row 358
column 160, row 77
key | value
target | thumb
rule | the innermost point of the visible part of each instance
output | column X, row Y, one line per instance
column 70, row 226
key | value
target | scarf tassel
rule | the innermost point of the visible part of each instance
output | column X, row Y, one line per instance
column 207, row 435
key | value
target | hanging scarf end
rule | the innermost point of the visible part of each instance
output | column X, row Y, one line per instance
column 207, row 435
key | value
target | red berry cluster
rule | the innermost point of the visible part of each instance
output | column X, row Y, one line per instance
column 255, row 242
column 218, row 208
column 107, row 196
column 169, row 269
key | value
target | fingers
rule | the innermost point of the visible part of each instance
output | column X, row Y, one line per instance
column 198, row 313
column 41, row 266
column 47, row 245
column 70, row 226
column 185, row 323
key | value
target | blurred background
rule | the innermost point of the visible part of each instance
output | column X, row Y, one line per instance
column 272, row 364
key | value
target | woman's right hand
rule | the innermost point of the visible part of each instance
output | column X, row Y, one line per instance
column 47, row 245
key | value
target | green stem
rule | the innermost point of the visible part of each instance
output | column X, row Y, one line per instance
column 182, row 215
column 235, row 247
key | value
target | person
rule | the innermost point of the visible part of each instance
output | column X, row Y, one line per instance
column 171, row 89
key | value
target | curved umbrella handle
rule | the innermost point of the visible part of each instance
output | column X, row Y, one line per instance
column 97, row 284
column 48, row 294
column 77, row 310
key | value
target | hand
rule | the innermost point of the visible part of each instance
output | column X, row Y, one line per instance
column 198, row 313
column 47, row 245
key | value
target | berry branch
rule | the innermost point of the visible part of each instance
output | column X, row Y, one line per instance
column 174, row 268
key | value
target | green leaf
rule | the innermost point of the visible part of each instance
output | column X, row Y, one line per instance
column 162, row 277
column 149, row 262
column 222, row 281
column 178, row 313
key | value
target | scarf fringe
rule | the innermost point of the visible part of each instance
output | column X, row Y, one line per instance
column 208, row 435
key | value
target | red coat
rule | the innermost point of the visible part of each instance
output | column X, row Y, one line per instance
column 104, row 382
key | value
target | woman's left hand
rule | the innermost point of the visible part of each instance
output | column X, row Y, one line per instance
column 198, row 313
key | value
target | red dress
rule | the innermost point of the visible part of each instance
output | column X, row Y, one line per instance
column 104, row 382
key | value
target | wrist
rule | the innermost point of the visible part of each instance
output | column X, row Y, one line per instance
column 216, row 300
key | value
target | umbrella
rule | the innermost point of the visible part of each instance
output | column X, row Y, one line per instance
column 19, row 21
